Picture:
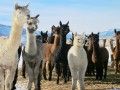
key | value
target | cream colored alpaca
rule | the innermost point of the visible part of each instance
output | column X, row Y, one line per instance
column 9, row 47
column 77, row 60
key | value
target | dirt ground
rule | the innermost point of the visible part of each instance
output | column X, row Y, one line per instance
column 111, row 83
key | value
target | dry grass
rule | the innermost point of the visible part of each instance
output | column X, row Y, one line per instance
column 112, row 82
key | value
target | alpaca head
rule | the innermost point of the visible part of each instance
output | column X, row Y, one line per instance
column 117, row 34
column 95, row 38
column 78, row 40
column 64, row 28
column 32, row 24
column 55, row 29
column 44, row 36
column 21, row 14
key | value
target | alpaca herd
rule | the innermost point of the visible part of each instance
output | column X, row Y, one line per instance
column 83, row 56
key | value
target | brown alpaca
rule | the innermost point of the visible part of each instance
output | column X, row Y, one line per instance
column 99, row 56
column 116, row 52
column 50, row 39
column 49, row 50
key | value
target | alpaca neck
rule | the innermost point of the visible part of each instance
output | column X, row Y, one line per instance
column 31, row 46
column 56, row 42
column 117, row 44
column 104, row 43
column 96, row 50
column 15, row 36
column 62, row 40
column 111, row 46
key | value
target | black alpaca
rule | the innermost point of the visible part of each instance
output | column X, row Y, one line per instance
column 16, row 74
column 61, row 53
column 44, row 36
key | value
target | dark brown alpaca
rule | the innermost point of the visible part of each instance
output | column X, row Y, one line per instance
column 48, row 62
column 89, row 49
column 44, row 36
column 99, row 57
column 116, row 52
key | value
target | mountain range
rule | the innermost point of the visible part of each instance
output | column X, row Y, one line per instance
column 5, row 31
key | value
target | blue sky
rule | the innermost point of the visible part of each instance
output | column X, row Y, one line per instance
column 83, row 15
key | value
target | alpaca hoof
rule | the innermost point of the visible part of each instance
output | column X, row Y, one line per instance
column 13, row 88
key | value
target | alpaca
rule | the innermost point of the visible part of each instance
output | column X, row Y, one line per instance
column 9, row 47
column 116, row 52
column 77, row 61
column 99, row 56
column 50, row 39
column 44, row 36
column 32, row 54
column 49, row 50
column 88, row 48
column 60, row 56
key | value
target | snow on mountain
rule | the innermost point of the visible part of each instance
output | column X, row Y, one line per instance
column 5, row 31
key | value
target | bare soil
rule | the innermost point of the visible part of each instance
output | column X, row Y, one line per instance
column 111, row 83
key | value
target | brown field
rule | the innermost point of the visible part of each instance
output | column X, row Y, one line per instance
column 112, row 82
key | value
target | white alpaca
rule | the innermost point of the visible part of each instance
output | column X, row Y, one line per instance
column 77, row 60
column 9, row 47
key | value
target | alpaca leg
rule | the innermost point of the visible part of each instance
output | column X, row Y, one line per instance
column 105, row 69
column 30, row 75
column 44, row 70
column 9, row 78
column 2, row 82
column 39, row 79
column 81, row 79
column 65, row 66
column 74, row 78
column 50, row 71
column 15, row 79
column 57, row 67
column 35, row 75
column 23, row 69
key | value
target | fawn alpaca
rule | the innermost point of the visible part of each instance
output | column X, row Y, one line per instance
column 8, row 53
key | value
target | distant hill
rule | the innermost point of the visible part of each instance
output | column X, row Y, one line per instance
column 5, row 31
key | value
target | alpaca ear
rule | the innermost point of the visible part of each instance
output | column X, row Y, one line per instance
column 26, row 6
column 16, row 6
column 41, row 32
column 37, row 16
column 60, row 23
column 98, row 33
column 92, row 33
column 67, row 23
column 52, row 27
column 46, row 32
column 75, row 34
column 115, row 30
